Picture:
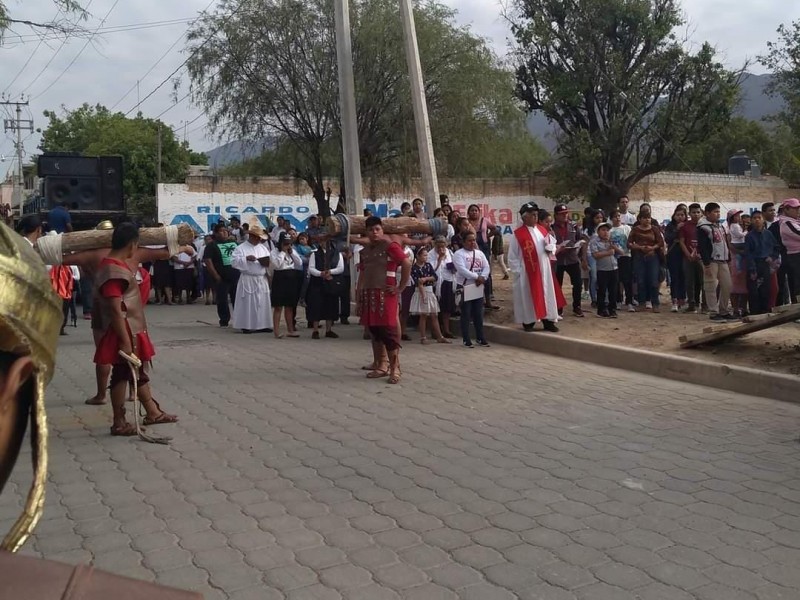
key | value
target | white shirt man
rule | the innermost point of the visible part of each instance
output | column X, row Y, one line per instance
column 534, row 290
column 626, row 217
column 252, row 311
column 472, row 271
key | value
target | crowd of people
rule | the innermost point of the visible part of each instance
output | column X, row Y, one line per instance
column 261, row 279
column 745, row 265
column 616, row 260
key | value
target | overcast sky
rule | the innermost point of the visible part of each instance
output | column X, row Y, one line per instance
column 108, row 67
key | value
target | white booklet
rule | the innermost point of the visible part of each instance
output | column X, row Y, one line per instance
column 472, row 292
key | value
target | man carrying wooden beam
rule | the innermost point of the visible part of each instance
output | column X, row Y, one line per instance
column 377, row 295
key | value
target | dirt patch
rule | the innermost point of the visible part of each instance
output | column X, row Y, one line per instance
column 776, row 349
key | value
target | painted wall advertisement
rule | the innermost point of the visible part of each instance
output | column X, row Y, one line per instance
column 176, row 205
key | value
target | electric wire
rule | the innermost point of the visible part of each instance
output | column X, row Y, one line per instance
column 49, row 62
column 77, row 56
column 191, row 55
column 162, row 57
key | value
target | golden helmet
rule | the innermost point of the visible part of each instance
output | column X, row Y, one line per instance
column 30, row 321
column 105, row 225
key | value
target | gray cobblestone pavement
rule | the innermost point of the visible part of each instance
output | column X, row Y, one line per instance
column 291, row 476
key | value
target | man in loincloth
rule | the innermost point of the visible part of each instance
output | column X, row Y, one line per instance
column 377, row 298
column 89, row 261
column 120, row 310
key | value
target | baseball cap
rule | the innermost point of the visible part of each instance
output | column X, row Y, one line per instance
column 560, row 208
column 791, row 203
column 605, row 224
column 528, row 207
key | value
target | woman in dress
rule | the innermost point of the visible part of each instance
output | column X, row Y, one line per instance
column 423, row 302
column 677, row 281
column 285, row 291
column 325, row 268
column 304, row 251
column 441, row 259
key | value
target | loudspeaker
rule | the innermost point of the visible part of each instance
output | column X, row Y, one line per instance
column 80, row 193
column 62, row 165
column 111, row 183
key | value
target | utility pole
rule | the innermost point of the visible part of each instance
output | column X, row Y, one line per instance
column 18, row 125
column 158, row 160
column 427, row 163
column 347, row 107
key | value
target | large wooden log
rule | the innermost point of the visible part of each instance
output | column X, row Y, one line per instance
column 79, row 241
column 391, row 225
column 714, row 335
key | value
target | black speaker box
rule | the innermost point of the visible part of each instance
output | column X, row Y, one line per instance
column 111, row 182
column 80, row 193
column 67, row 166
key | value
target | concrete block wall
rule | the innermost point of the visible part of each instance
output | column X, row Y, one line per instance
column 666, row 186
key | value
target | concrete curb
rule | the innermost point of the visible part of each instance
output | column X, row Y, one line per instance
column 775, row 386
column 742, row 380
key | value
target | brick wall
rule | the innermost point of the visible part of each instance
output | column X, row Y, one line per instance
column 667, row 186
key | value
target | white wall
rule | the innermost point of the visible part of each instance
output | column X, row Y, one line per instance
column 176, row 204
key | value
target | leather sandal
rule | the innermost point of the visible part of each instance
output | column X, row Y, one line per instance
column 162, row 417
column 126, row 430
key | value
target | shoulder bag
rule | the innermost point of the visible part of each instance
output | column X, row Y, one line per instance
column 459, row 293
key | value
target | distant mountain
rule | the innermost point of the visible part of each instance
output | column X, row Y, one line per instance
column 237, row 151
column 755, row 105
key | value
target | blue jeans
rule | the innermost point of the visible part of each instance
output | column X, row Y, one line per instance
column 647, row 269
column 677, row 280
column 472, row 311
column 592, row 278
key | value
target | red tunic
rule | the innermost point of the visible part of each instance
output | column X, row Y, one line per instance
column 146, row 285
column 377, row 308
column 108, row 349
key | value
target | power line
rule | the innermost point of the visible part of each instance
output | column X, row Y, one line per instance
column 44, row 68
column 27, row 39
column 72, row 62
column 185, row 62
column 30, row 56
column 163, row 56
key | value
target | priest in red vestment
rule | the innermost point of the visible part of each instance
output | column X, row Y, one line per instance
column 534, row 287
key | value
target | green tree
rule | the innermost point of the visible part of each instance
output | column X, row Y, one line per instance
column 96, row 131
column 624, row 93
column 267, row 68
column 783, row 59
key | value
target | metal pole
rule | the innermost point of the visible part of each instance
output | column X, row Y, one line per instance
column 347, row 106
column 20, row 174
column 158, row 159
column 427, row 162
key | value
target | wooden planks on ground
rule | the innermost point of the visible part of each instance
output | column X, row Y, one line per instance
column 714, row 334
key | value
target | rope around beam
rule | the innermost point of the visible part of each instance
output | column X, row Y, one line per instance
column 49, row 247
column 172, row 240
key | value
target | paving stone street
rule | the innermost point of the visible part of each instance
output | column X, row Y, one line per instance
column 486, row 474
